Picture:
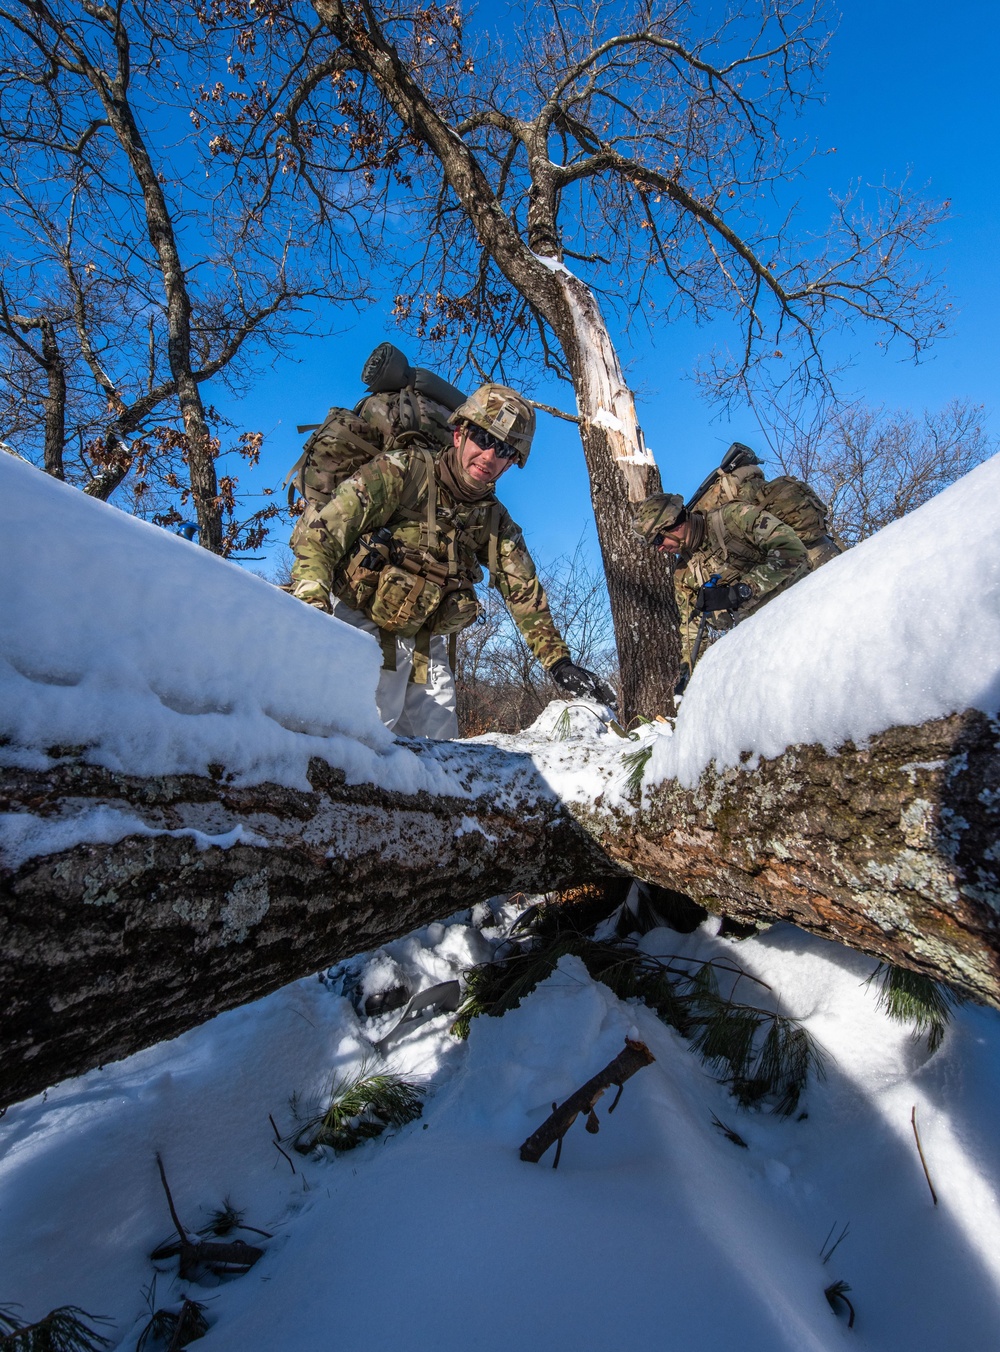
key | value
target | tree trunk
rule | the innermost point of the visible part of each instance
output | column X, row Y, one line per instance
column 622, row 473
column 113, row 94
column 109, row 948
column 55, row 401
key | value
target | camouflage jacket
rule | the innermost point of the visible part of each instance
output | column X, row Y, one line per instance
column 388, row 492
column 742, row 543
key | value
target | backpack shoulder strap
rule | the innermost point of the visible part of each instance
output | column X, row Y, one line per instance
column 717, row 531
column 420, row 473
column 494, row 547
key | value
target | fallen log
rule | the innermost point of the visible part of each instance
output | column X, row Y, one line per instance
column 890, row 848
column 106, row 948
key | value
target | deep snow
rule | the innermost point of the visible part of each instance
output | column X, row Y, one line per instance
column 155, row 658
column 657, row 1233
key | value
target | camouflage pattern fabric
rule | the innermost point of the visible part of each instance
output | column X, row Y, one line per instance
column 742, row 543
column 656, row 515
column 347, row 440
column 373, row 497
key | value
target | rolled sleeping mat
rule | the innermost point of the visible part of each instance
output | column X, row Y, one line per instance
column 439, row 390
column 387, row 369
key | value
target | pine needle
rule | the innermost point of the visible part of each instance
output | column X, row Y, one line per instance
column 763, row 1056
column 62, row 1330
column 361, row 1107
column 224, row 1220
column 635, row 763
column 910, row 997
column 836, row 1294
column 174, row 1329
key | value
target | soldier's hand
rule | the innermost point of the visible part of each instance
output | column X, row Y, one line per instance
column 314, row 594
column 582, row 683
column 722, row 598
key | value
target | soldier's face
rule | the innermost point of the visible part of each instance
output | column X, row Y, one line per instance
column 481, row 465
column 673, row 541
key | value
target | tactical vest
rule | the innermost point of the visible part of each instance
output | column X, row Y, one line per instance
column 419, row 571
column 739, row 556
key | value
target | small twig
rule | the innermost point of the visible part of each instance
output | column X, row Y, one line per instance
column 920, row 1152
column 634, row 1056
column 181, row 1232
column 556, row 412
column 277, row 1143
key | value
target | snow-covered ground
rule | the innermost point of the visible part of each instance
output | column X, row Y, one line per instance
column 657, row 1233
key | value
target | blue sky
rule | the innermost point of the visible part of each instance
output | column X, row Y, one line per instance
column 909, row 88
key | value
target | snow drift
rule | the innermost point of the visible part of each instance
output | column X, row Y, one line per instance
column 159, row 658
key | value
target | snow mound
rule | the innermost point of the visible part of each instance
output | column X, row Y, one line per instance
column 160, row 658
column 903, row 628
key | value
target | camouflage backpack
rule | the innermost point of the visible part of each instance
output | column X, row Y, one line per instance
column 740, row 478
column 406, row 406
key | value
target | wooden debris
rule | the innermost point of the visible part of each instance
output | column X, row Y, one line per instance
column 231, row 1258
column 633, row 1057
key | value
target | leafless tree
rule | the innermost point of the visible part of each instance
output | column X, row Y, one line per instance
column 133, row 274
column 501, row 685
column 644, row 146
column 873, row 465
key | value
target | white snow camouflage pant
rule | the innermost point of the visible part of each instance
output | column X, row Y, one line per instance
column 412, row 710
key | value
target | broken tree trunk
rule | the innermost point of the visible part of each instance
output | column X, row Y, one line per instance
column 889, row 848
column 111, row 947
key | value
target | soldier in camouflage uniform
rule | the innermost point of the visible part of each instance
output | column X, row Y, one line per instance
column 401, row 545
column 751, row 554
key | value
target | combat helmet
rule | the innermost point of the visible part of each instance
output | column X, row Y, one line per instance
column 502, row 413
column 657, row 514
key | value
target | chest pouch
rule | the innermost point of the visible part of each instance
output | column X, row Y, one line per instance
column 403, row 601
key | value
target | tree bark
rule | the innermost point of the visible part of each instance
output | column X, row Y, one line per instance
column 55, row 400
column 109, row 948
column 622, row 473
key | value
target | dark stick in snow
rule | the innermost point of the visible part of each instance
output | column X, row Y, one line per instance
column 633, row 1057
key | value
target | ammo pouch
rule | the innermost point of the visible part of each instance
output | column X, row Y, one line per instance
column 403, row 601
column 415, row 592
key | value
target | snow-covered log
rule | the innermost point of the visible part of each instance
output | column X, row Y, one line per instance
column 889, row 848
column 204, row 895
column 191, row 896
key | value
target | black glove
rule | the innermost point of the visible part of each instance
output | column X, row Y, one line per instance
column 722, row 598
column 581, row 682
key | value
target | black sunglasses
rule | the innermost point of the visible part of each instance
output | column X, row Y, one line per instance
column 488, row 442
